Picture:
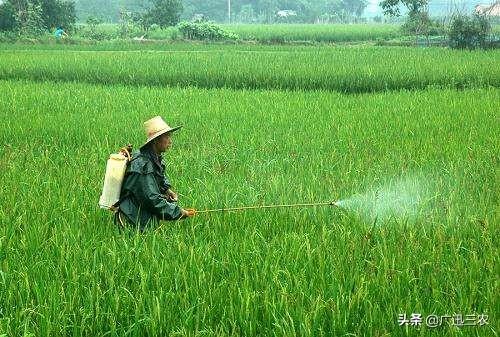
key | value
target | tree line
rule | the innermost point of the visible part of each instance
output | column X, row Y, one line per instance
column 35, row 17
column 273, row 11
column 64, row 12
column 245, row 11
column 31, row 16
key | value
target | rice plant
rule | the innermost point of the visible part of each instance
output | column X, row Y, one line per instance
column 329, row 33
column 346, row 69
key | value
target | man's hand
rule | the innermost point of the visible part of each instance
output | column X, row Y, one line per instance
column 171, row 196
column 188, row 212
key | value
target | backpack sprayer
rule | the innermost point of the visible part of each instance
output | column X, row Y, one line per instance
column 113, row 178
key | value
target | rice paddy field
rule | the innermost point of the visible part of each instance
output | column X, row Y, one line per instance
column 405, row 139
column 277, row 33
column 328, row 33
column 344, row 69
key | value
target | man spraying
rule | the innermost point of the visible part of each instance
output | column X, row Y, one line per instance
column 146, row 195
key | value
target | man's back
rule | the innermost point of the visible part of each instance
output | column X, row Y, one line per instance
column 143, row 191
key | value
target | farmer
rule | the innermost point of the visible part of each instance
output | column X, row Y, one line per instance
column 59, row 33
column 146, row 196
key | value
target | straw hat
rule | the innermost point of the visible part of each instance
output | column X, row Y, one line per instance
column 156, row 127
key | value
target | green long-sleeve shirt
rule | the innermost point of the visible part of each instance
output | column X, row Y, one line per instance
column 142, row 198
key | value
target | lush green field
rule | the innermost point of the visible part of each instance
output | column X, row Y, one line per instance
column 64, row 269
column 128, row 45
column 275, row 33
column 345, row 69
column 413, row 161
column 279, row 33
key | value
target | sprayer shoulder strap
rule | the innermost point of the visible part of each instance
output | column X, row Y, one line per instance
column 141, row 164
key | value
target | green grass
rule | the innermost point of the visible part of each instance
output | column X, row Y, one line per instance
column 327, row 33
column 276, row 33
column 130, row 45
column 345, row 69
column 64, row 270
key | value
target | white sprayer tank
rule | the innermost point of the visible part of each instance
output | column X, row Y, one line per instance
column 115, row 172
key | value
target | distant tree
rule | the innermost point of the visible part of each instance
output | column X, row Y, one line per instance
column 306, row 10
column 58, row 13
column 246, row 14
column 35, row 15
column 7, row 17
column 418, row 23
column 30, row 20
column 345, row 10
column 267, row 10
column 355, row 7
column 108, row 10
column 418, row 20
column 210, row 9
column 468, row 31
column 392, row 7
column 164, row 13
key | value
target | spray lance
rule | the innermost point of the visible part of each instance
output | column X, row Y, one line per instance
column 245, row 208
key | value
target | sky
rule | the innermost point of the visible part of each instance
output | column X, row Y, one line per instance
column 372, row 8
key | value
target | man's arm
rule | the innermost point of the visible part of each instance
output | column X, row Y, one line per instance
column 154, row 201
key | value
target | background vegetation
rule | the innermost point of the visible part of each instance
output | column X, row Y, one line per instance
column 160, row 19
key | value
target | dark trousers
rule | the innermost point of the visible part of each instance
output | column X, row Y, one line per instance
column 122, row 222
